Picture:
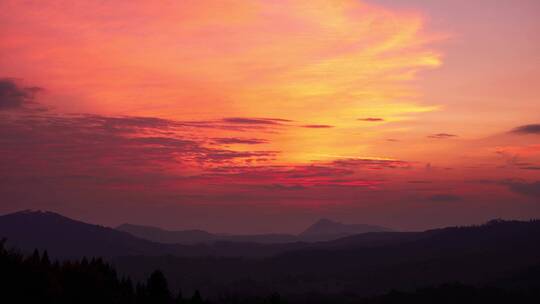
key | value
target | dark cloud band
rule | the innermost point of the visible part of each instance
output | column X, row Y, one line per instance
column 14, row 96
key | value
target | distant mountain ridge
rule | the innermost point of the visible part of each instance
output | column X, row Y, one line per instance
column 66, row 238
column 368, row 263
column 322, row 230
column 325, row 229
column 363, row 263
column 200, row 236
column 163, row 236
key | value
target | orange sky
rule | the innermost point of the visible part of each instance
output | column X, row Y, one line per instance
column 321, row 107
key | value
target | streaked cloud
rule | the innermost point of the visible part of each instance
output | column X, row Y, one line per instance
column 15, row 96
column 444, row 198
column 531, row 189
column 236, row 140
column 442, row 135
column 527, row 129
column 371, row 119
column 317, row 126
column 255, row 121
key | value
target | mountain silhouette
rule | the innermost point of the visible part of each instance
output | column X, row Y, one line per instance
column 325, row 229
column 64, row 237
column 365, row 263
column 322, row 230
column 200, row 236
column 67, row 238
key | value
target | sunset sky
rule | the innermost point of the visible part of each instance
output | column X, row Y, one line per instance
column 263, row 116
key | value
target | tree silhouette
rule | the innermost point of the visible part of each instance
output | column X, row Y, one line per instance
column 179, row 298
column 34, row 259
column 196, row 298
column 34, row 279
column 140, row 293
column 158, row 289
column 275, row 298
column 45, row 259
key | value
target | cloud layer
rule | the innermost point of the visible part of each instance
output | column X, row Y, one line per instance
column 15, row 96
column 527, row 129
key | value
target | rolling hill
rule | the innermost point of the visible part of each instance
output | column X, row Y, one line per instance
column 322, row 230
column 364, row 264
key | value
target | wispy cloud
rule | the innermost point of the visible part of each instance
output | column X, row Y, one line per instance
column 79, row 144
column 444, row 198
column 442, row 136
column 236, row 140
column 371, row 119
column 530, row 168
column 295, row 176
column 531, row 189
column 15, row 96
column 372, row 163
column 527, row 129
column 317, row 126
column 255, row 121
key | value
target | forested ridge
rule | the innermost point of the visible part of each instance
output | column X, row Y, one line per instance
column 36, row 279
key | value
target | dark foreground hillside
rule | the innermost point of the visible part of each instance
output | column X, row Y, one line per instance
column 501, row 254
column 364, row 265
column 35, row 279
